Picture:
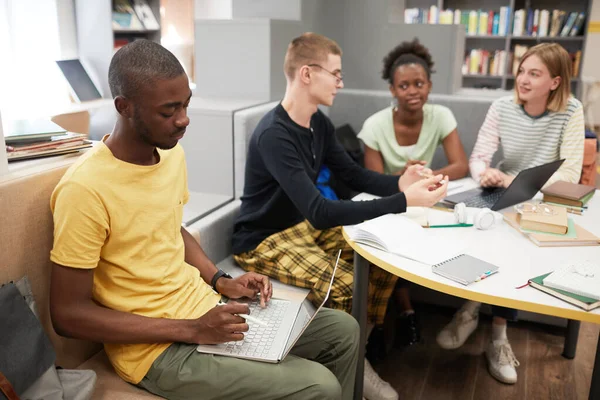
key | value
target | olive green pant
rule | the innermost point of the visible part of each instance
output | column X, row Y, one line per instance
column 321, row 365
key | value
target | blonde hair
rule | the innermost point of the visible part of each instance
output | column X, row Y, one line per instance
column 558, row 62
column 308, row 48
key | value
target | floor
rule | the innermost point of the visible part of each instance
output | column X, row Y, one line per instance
column 425, row 371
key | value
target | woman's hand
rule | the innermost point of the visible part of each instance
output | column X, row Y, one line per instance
column 493, row 177
column 413, row 174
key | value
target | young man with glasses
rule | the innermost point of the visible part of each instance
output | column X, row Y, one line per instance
column 286, row 229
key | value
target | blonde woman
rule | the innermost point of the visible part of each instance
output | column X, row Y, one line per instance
column 540, row 124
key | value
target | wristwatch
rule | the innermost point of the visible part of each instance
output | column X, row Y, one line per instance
column 219, row 274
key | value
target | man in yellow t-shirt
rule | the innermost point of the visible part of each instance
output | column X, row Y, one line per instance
column 126, row 274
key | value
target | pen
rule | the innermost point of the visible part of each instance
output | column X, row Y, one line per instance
column 247, row 317
column 424, row 175
column 451, row 226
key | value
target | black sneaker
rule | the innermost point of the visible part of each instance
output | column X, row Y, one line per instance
column 376, row 350
column 408, row 331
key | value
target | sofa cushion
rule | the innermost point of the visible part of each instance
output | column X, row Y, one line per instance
column 109, row 385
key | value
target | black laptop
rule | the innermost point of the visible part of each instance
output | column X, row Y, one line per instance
column 525, row 185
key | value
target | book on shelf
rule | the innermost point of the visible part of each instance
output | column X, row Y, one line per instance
column 578, row 25
column 476, row 22
column 543, row 23
column 567, row 193
column 145, row 14
column 576, row 236
column 583, row 302
column 518, row 53
column 502, row 22
column 520, row 50
column 124, row 17
column 484, row 62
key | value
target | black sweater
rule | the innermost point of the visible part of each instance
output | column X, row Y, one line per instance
column 282, row 166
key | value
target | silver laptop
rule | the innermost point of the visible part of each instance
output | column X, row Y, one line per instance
column 285, row 321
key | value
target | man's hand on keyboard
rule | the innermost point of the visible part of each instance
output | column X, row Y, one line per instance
column 248, row 285
column 220, row 325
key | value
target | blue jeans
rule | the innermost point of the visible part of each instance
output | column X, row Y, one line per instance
column 509, row 314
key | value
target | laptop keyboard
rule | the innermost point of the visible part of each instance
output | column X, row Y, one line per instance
column 259, row 339
column 487, row 200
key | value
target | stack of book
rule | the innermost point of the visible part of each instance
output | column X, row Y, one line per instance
column 584, row 302
column 574, row 236
column 40, row 138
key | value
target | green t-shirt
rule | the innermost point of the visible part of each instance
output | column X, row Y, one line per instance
column 378, row 134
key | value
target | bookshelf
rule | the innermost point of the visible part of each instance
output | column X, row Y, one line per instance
column 495, row 43
column 98, row 35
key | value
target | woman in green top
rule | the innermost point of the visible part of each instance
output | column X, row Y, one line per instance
column 408, row 133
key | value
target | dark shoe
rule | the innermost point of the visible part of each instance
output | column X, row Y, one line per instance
column 408, row 331
column 376, row 350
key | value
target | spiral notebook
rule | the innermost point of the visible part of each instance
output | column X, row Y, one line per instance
column 465, row 269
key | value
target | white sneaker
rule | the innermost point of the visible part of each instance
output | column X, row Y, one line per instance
column 502, row 361
column 456, row 333
column 375, row 388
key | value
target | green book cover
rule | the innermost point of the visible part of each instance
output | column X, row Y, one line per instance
column 540, row 281
column 587, row 197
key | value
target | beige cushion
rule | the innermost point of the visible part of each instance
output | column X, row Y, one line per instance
column 26, row 240
column 109, row 385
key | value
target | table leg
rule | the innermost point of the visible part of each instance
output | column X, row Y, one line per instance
column 359, row 311
column 570, row 347
column 595, row 386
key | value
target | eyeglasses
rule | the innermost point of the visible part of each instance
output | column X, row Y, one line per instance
column 339, row 77
column 536, row 208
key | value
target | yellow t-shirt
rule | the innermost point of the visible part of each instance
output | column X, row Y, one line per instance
column 124, row 221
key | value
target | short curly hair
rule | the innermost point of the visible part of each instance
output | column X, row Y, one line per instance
column 407, row 52
column 138, row 64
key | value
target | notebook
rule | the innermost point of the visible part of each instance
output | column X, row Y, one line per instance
column 583, row 302
column 402, row 236
column 581, row 237
column 579, row 277
column 465, row 269
column 23, row 131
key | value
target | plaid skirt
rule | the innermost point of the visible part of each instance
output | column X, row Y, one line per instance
column 304, row 256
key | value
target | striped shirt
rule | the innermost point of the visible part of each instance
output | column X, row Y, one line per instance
column 531, row 141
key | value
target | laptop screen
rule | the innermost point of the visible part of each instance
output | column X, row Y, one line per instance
column 307, row 312
column 80, row 81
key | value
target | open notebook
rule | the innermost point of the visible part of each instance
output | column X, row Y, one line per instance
column 400, row 235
